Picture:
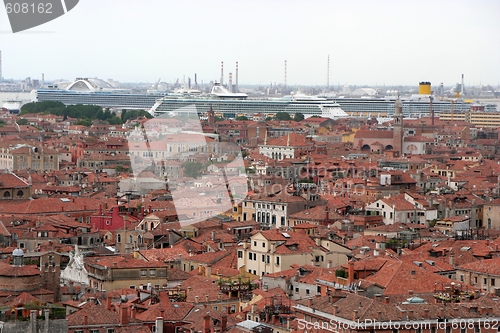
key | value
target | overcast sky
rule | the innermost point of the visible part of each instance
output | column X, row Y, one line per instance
column 372, row 42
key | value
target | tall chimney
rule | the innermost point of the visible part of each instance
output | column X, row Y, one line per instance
column 230, row 82
column 206, row 324
column 221, row 73
column 159, row 324
column 350, row 272
column 195, row 82
column 236, row 78
column 223, row 326
column 123, row 315
column 462, row 87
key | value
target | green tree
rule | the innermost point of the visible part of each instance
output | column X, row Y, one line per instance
column 192, row 169
column 341, row 273
column 114, row 121
column 2, row 123
column 84, row 122
column 298, row 116
column 282, row 116
column 242, row 118
column 22, row 121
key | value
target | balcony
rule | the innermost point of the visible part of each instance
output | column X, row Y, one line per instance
column 230, row 286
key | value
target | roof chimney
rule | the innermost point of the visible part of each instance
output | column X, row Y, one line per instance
column 206, row 324
column 350, row 272
column 355, row 315
column 159, row 324
column 123, row 315
column 223, row 325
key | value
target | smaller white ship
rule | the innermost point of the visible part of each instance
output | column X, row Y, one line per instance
column 14, row 105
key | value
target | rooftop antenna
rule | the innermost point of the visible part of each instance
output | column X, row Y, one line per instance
column 236, row 88
column 285, row 74
column 222, row 73
column 328, row 74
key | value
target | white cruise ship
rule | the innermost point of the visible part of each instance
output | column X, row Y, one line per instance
column 230, row 105
column 89, row 91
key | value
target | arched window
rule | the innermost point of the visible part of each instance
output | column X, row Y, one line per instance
column 152, row 225
column 131, row 239
column 139, row 239
column 20, row 193
column 489, row 223
column 6, row 194
column 119, row 238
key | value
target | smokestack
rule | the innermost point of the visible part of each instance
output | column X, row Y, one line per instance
column 221, row 73
column 462, row 87
column 230, row 82
column 195, row 82
column 237, row 89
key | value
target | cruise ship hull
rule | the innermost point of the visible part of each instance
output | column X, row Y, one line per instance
column 379, row 108
column 101, row 98
column 230, row 108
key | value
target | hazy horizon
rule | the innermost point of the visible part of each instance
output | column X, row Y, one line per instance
column 370, row 43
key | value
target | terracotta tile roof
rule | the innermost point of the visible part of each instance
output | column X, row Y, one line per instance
column 176, row 274
column 376, row 134
column 296, row 140
column 195, row 320
column 318, row 213
column 22, row 299
column 6, row 269
column 489, row 266
column 397, row 277
column 361, row 241
column 167, row 310
column 431, row 264
column 122, row 261
column 10, row 180
column 165, row 254
column 94, row 314
column 344, row 305
column 202, row 287
column 210, row 258
column 51, row 206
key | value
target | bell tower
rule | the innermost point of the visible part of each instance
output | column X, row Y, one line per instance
column 398, row 127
